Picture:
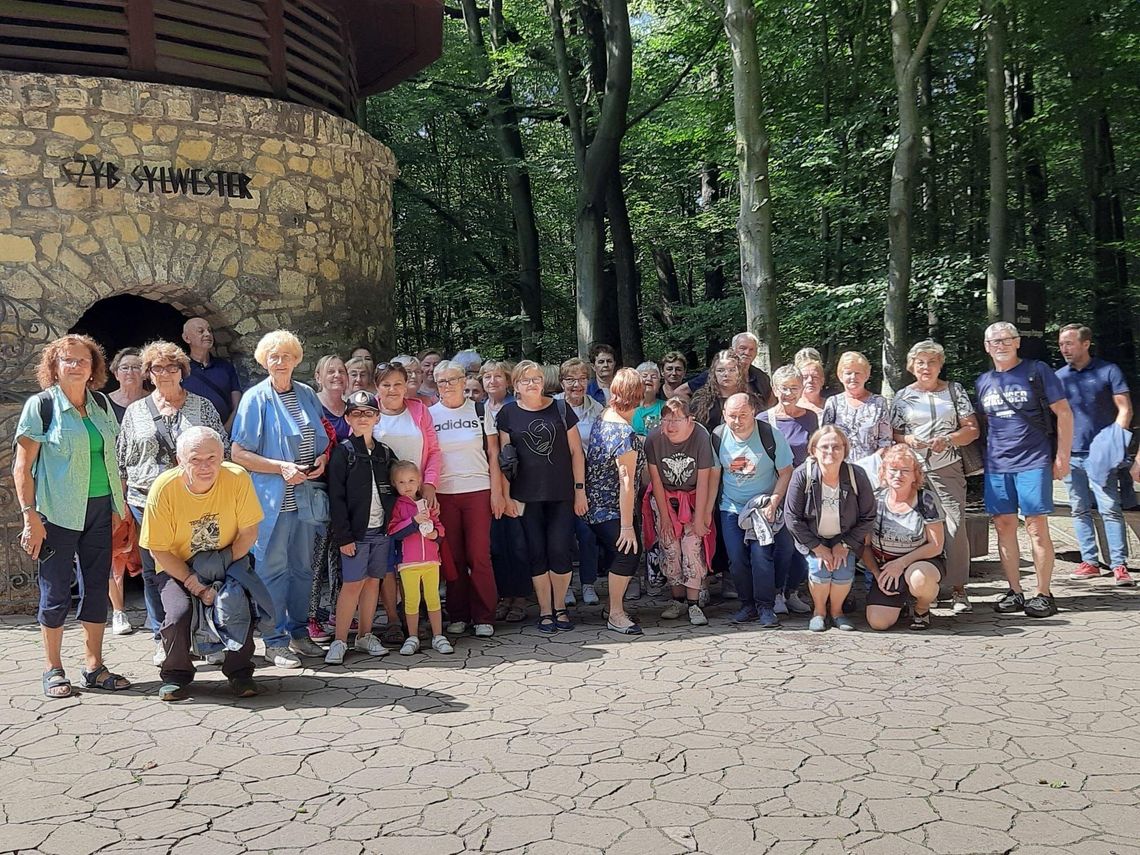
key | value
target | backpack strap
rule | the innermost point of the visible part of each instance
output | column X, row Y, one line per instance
column 481, row 412
column 717, row 438
column 854, row 480
column 162, row 434
column 47, row 408
column 767, row 439
column 562, row 412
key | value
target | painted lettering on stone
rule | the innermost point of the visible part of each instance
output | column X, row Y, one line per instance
column 162, row 180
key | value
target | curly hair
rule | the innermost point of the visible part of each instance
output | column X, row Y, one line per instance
column 164, row 351
column 47, row 372
column 703, row 400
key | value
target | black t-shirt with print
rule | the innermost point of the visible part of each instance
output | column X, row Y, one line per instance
column 545, row 473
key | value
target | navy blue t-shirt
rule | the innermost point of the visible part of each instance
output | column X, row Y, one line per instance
column 1016, row 440
column 1090, row 392
column 222, row 378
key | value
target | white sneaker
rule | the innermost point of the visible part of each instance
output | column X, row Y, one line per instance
column 484, row 630
column 305, row 646
column 633, row 592
column 337, row 649
column 960, row 603
column 441, row 645
column 696, row 616
column 570, row 600
column 121, row 624
column 159, row 654
column 795, row 605
column 456, row 627
column 781, row 607
column 411, row 645
column 283, row 657
column 673, row 611
column 370, row 644
column 216, row 658
column 703, row 597
column 589, row 595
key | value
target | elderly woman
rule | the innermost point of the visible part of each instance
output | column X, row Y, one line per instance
column 126, row 368
column 405, row 427
column 647, row 416
column 862, row 415
column 830, row 510
column 904, row 549
column 728, row 377
column 615, row 460
column 934, row 418
column 473, row 390
column 547, row 487
column 146, row 448
column 575, row 376
column 673, row 369
column 415, row 374
column 814, row 379
column 470, row 491
column 361, row 374
column 331, row 382
column 429, row 359
column 278, row 437
column 682, row 495
column 69, row 492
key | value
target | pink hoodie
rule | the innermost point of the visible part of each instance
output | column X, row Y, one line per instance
column 429, row 463
column 416, row 548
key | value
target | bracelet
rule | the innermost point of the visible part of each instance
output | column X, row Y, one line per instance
column 27, row 508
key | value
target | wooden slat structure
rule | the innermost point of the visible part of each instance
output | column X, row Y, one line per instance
column 326, row 54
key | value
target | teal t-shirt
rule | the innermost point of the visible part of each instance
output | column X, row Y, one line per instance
column 646, row 419
column 98, row 484
column 746, row 469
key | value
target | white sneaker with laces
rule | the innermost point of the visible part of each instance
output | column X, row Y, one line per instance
column 335, row 656
column 673, row 611
column 781, row 605
column 121, row 624
column 456, row 627
column 370, row 644
column 484, row 630
column 795, row 605
column 960, row 603
column 571, row 600
column 589, row 595
column 159, row 654
column 282, row 657
column 696, row 616
column 411, row 645
column 440, row 644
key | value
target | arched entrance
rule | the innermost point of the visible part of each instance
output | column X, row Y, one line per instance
column 128, row 320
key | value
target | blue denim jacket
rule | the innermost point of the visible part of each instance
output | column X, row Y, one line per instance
column 225, row 624
column 263, row 425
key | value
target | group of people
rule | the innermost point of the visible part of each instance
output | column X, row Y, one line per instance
column 330, row 514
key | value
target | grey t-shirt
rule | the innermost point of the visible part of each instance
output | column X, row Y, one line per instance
column 678, row 464
column 900, row 534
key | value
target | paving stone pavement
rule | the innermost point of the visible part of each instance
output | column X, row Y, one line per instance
column 985, row 734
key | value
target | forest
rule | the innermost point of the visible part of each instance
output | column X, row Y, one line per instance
column 846, row 174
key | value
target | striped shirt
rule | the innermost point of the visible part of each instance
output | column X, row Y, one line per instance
column 306, row 454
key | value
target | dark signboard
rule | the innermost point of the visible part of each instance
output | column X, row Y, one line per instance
column 85, row 171
column 1023, row 305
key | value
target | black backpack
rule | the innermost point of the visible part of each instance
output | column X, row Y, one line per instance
column 767, row 439
column 47, row 409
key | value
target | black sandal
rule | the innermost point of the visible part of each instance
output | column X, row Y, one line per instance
column 546, row 624
column 55, row 679
column 920, row 622
column 102, row 678
column 562, row 619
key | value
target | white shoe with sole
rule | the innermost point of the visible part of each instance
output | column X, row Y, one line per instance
column 696, row 616
column 159, row 654
column 440, row 644
column 282, row 657
column 411, row 645
column 121, row 624
column 960, row 603
column 335, row 656
column 673, row 611
column 456, row 627
column 370, row 644
column 484, row 630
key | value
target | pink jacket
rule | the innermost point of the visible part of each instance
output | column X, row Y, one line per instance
column 429, row 463
column 415, row 547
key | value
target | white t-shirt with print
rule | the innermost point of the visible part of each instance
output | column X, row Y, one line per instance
column 463, row 462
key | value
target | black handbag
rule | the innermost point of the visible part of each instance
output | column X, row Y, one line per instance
column 509, row 462
column 973, row 457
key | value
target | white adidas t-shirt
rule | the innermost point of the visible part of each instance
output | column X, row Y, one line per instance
column 463, row 466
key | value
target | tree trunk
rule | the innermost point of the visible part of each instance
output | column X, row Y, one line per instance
column 897, row 307
column 627, row 278
column 927, row 160
column 714, row 263
column 754, row 226
column 999, row 180
column 1033, row 166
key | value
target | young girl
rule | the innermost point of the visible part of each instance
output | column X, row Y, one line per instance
column 418, row 531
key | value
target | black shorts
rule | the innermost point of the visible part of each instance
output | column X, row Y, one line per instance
column 610, row 557
column 876, row 597
column 549, row 529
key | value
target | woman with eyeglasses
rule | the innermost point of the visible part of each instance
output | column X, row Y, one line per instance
column 575, row 377
column 727, row 377
column 146, row 449
column 68, row 487
column 547, row 489
column 470, row 492
column 126, row 368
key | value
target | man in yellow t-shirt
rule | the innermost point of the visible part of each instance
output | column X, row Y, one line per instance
column 202, row 504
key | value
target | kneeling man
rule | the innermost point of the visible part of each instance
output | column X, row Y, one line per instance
column 201, row 519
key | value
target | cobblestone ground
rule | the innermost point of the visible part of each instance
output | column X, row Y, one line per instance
column 984, row 734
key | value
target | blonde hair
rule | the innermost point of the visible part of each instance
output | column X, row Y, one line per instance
column 278, row 340
column 852, row 359
column 499, row 366
column 164, row 351
column 324, row 363
column 573, row 363
column 524, row 368
column 927, row 346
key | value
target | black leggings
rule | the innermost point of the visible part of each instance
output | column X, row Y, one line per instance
column 613, row 559
column 549, row 528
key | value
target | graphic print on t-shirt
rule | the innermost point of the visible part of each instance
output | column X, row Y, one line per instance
column 539, row 438
column 744, row 467
column 676, row 469
column 205, row 533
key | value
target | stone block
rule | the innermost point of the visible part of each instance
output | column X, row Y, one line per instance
column 195, row 151
column 14, row 248
column 17, row 163
column 75, row 127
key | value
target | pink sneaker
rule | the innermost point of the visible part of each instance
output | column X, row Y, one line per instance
column 1123, row 580
column 318, row 633
column 1085, row 570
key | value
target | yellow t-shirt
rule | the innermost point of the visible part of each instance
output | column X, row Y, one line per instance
column 186, row 523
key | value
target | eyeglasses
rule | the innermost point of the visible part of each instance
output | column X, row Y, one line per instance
column 74, row 362
column 450, row 381
column 1001, row 342
column 574, row 381
column 674, row 422
column 131, row 368
column 530, row 381
column 166, row 369
column 361, row 414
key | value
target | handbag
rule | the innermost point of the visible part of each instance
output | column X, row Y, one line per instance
column 973, row 459
column 312, row 503
column 509, row 462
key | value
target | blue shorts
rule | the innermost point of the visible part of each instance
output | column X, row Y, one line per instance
column 818, row 574
column 1030, row 492
column 372, row 558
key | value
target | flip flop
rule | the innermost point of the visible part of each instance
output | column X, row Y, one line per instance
column 56, row 679
column 101, row 678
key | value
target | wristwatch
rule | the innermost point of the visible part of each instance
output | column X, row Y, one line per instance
column 578, row 485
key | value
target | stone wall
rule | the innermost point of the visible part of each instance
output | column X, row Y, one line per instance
column 254, row 213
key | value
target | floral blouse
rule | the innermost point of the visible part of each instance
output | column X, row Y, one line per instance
column 609, row 441
column 868, row 426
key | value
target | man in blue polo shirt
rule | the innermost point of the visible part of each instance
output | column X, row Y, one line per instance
column 1098, row 395
column 214, row 379
column 1020, row 400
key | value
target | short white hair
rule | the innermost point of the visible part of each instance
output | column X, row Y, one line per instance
column 446, row 366
column 745, row 335
column 649, row 366
column 196, row 437
column 785, row 373
column 469, row 359
column 1002, row 327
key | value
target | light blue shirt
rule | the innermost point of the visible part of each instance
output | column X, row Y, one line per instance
column 63, row 467
column 263, row 425
column 746, row 469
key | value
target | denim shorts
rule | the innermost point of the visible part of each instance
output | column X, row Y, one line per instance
column 372, row 558
column 1030, row 492
column 844, row 575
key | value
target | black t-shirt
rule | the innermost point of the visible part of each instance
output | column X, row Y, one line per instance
column 544, row 473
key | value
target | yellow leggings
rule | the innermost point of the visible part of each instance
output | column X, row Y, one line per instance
column 412, row 576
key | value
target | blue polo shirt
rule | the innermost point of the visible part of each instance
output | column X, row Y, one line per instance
column 216, row 383
column 1016, row 440
column 1090, row 390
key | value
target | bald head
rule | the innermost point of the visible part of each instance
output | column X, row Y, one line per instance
column 198, row 336
column 740, row 415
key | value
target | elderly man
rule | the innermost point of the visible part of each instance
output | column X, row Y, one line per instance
column 213, row 378
column 1021, row 400
column 204, row 505
column 1098, row 396
column 756, row 466
column 745, row 345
